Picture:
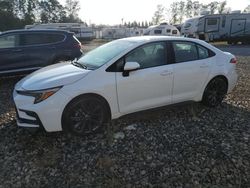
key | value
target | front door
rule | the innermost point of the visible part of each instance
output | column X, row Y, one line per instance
column 151, row 85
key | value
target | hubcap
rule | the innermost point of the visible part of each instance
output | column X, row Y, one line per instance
column 86, row 117
column 216, row 92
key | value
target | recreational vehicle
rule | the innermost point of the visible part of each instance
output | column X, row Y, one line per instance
column 162, row 29
column 233, row 28
column 119, row 32
column 82, row 32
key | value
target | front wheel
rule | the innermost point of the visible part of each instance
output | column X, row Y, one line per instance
column 214, row 92
column 85, row 115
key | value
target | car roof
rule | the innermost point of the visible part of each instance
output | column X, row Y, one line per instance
column 35, row 31
column 142, row 39
column 139, row 40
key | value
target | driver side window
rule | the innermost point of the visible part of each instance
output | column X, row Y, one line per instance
column 149, row 55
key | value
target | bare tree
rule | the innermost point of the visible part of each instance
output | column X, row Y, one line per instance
column 72, row 8
column 247, row 9
column 222, row 7
column 158, row 15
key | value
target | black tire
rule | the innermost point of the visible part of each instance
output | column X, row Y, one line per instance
column 214, row 92
column 85, row 115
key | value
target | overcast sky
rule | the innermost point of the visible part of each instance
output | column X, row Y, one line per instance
column 112, row 11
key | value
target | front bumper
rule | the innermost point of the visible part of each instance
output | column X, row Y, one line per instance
column 46, row 114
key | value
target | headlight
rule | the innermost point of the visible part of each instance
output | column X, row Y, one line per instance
column 40, row 95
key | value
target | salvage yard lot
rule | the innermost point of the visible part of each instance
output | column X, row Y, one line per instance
column 185, row 146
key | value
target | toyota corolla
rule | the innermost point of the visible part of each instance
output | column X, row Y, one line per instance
column 122, row 77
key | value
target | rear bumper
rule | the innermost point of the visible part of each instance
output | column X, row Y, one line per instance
column 232, row 80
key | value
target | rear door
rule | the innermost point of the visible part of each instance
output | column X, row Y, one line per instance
column 191, row 69
column 39, row 48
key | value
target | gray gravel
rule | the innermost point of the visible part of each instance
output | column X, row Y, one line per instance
column 187, row 146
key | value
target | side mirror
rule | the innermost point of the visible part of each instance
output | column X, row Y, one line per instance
column 130, row 66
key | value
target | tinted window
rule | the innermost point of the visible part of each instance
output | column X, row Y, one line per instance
column 174, row 32
column 212, row 21
column 157, row 31
column 203, row 52
column 40, row 38
column 185, row 51
column 150, row 55
column 168, row 30
column 9, row 41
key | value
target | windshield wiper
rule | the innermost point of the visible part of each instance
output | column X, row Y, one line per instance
column 77, row 64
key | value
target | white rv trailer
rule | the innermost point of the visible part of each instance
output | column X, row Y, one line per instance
column 119, row 32
column 82, row 32
column 233, row 28
column 190, row 27
column 162, row 29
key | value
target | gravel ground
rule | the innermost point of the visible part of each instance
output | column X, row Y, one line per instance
column 187, row 146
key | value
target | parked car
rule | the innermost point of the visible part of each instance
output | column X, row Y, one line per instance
column 29, row 50
column 122, row 77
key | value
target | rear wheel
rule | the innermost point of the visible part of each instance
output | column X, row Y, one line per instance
column 215, row 92
column 85, row 115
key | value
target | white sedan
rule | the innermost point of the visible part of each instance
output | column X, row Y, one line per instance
column 122, row 77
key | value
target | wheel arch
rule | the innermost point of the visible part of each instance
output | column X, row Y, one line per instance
column 87, row 95
column 219, row 76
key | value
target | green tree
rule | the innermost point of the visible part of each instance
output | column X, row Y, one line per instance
column 9, row 20
column 51, row 11
column 158, row 15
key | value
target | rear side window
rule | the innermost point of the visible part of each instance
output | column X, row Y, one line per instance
column 185, row 51
column 40, row 38
column 203, row 52
column 9, row 41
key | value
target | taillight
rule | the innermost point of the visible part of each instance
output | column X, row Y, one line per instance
column 233, row 61
column 78, row 45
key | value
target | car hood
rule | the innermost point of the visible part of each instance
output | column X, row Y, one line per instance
column 52, row 76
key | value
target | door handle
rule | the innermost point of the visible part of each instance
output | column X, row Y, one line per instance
column 166, row 73
column 203, row 66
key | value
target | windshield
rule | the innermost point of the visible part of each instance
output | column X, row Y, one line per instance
column 101, row 55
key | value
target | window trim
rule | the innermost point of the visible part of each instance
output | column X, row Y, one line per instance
column 173, row 61
column 113, row 68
